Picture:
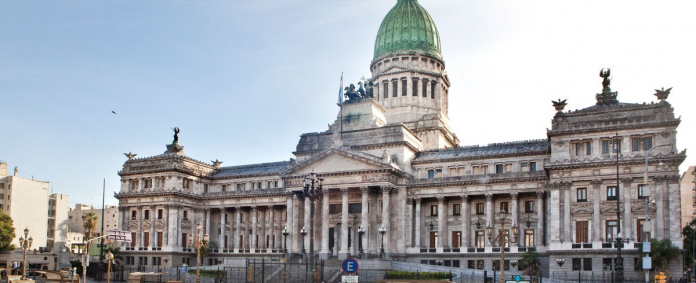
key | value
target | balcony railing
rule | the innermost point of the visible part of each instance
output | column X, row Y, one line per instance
column 487, row 177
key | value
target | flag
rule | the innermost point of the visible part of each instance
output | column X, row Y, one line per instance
column 340, row 92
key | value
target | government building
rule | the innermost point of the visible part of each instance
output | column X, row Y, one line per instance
column 390, row 160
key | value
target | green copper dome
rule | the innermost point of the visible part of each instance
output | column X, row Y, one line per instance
column 407, row 28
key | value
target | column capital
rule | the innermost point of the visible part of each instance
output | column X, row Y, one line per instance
column 365, row 189
column 440, row 199
column 418, row 200
column 253, row 207
column 489, row 197
column 540, row 194
column 385, row 189
column 514, row 195
column 627, row 181
column 465, row 197
column 344, row 191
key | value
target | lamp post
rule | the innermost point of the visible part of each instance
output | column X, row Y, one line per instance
column 382, row 231
column 108, row 258
column 647, row 201
column 313, row 186
column 25, row 245
column 198, row 242
column 303, row 232
column 360, row 249
column 501, row 239
column 285, row 254
column 619, row 274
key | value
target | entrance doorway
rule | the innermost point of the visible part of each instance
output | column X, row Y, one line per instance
column 331, row 239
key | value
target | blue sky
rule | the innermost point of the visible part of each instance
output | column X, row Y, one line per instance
column 243, row 79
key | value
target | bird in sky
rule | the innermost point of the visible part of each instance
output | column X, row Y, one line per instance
column 113, row 112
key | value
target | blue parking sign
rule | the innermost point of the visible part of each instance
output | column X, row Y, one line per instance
column 350, row 265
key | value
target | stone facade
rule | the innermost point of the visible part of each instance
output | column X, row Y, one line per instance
column 396, row 164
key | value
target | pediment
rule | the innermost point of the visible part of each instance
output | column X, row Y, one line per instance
column 338, row 160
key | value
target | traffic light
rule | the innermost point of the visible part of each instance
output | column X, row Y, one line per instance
column 660, row 278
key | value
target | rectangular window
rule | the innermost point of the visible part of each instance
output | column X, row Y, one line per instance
column 508, row 168
column 642, row 191
column 160, row 214
column 355, row 208
column 404, row 86
column 456, row 239
column 185, row 214
column 431, row 174
column 532, row 166
column 146, row 239
column 433, row 239
column 611, row 230
column 147, row 214
column 433, row 210
column 134, row 239
column 386, row 90
column 471, row 264
column 438, row 173
column 582, row 234
column 425, row 88
column 159, row 239
column 224, row 188
column 605, row 147
column 184, row 240
column 524, row 167
column 647, row 143
column 577, row 263
column 588, row 148
column 635, row 144
column 133, row 214
column 616, row 145
column 205, row 188
column 504, row 207
column 607, row 264
column 475, row 170
column 499, row 168
column 453, row 172
column 582, row 194
column 611, row 193
column 480, row 239
column 529, row 206
column 578, row 149
column 415, row 87
column 456, row 209
column 395, row 84
column 335, row 208
column 432, row 90
column 479, row 208
column 587, row 264
column 529, row 237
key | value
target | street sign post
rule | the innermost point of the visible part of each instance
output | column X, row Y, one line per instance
column 349, row 279
column 350, row 265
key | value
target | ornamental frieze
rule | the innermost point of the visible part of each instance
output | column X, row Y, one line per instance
column 159, row 224
column 185, row 224
column 581, row 208
column 145, row 223
column 133, row 224
column 638, row 205
column 610, row 207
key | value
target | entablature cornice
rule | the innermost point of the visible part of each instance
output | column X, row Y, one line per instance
column 513, row 177
column 611, row 161
column 612, row 129
column 482, row 157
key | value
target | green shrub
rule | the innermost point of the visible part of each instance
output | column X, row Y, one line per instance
column 209, row 273
column 417, row 275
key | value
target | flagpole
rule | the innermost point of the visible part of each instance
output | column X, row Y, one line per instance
column 341, row 103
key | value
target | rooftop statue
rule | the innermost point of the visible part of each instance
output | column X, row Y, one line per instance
column 560, row 104
column 364, row 90
column 607, row 80
column 351, row 93
column 662, row 94
column 176, row 135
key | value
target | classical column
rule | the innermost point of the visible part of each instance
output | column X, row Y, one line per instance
column 489, row 216
column 385, row 217
column 660, row 188
column 289, row 212
column 177, row 233
column 596, row 212
column 254, row 223
column 627, row 221
column 262, row 232
column 140, row 226
column 307, row 219
column 153, row 209
column 222, row 228
column 514, row 209
column 343, row 253
column 674, row 198
column 465, row 223
column 566, row 213
column 418, row 223
column 271, row 227
column 324, row 253
column 540, row 218
column 440, row 222
column 364, row 222
column 207, row 221
column 166, row 226
column 237, row 231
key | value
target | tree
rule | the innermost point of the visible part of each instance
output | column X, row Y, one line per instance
column 663, row 252
column 530, row 261
column 89, row 222
column 688, row 233
column 7, row 232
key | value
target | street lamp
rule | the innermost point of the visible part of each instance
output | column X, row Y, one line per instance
column 501, row 239
column 303, row 232
column 108, row 258
column 313, row 186
column 25, row 245
column 360, row 233
column 199, row 243
column 285, row 241
column 560, row 261
column 382, row 231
